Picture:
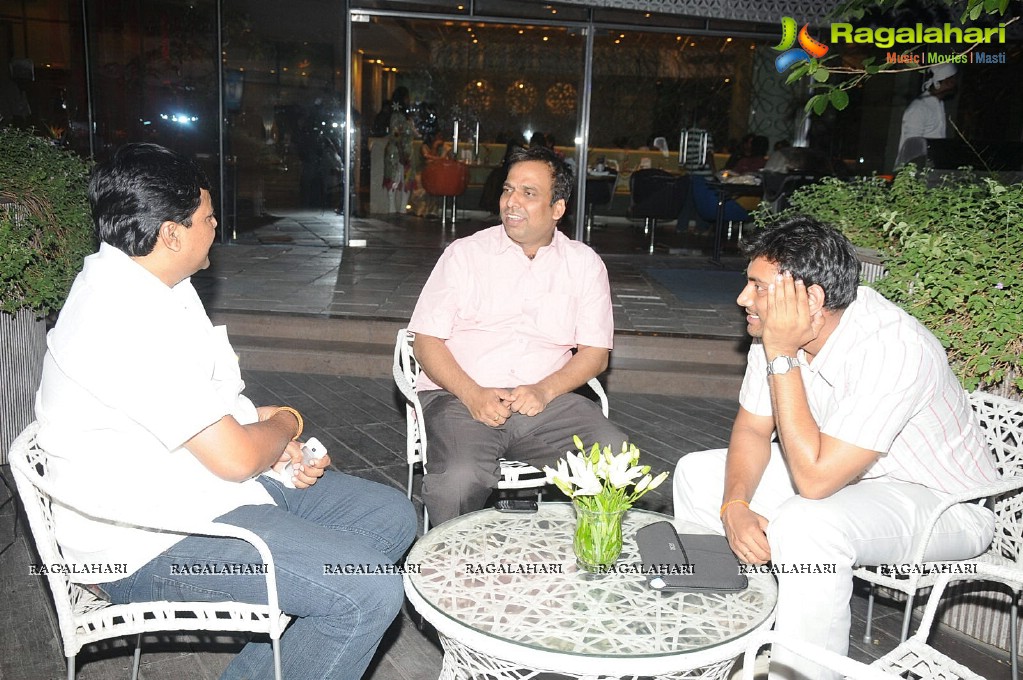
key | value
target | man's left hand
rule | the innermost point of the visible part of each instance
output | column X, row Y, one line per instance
column 527, row 400
column 789, row 324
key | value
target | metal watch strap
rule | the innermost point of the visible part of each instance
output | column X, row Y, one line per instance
column 792, row 363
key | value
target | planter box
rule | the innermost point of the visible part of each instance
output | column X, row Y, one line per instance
column 871, row 266
column 22, row 346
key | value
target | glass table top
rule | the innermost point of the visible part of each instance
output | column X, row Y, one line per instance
column 514, row 577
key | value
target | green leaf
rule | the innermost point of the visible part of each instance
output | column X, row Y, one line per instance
column 839, row 99
column 821, row 75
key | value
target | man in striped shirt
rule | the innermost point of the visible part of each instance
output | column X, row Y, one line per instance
column 851, row 429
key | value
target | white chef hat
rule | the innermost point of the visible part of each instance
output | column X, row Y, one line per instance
column 938, row 73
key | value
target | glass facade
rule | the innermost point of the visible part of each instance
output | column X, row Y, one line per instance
column 260, row 92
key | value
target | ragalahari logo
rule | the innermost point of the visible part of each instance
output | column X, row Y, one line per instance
column 808, row 47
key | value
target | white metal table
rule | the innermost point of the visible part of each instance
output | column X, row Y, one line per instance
column 504, row 592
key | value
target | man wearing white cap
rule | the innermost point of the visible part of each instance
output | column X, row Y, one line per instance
column 925, row 115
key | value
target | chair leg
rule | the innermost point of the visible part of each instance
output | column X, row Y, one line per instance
column 870, row 615
column 1014, row 639
column 136, row 662
column 653, row 233
column 70, row 668
column 907, row 616
column 408, row 492
column 277, row 658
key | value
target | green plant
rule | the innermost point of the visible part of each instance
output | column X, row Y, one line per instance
column 952, row 252
column 854, row 207
column 45, row 223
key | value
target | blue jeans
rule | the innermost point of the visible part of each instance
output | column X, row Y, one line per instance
column 340, row 618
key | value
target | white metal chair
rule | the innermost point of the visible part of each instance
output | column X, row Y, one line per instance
column 85, row 618
column 913, row 658
column 1002, row 422
column 514, row 474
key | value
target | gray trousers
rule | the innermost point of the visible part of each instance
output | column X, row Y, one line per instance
column 462, row 455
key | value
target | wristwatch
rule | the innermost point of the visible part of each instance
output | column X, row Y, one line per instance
column 781, row 364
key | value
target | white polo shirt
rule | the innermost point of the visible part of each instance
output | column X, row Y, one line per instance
column 133, row 370
column 882, row 382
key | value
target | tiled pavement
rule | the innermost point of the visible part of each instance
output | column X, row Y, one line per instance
column 296, row 265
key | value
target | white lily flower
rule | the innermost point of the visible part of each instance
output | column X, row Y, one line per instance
column 657, row 480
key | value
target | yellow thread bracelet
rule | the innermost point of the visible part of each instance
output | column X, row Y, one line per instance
column 734, row 500
column 294, row 412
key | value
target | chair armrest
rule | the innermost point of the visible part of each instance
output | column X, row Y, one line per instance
column 996, row 488
column 168, row 525
column 842, row 664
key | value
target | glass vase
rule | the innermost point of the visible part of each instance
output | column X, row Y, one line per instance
column 598, row 538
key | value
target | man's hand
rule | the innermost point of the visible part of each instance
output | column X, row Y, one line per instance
column 528, row 400
column 788, row 324
column 489, row 405
column 304, row 475
column 746, row 533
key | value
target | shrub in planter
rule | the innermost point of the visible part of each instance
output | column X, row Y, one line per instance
column 952, row 251
column 45, row 232
column 45, row 222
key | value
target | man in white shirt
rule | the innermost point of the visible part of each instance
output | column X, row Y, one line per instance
column 141, row 408
column 925, row 117
column 851, row 429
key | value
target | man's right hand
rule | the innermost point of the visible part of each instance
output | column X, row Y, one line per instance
column 746, row 533
column 489, row 405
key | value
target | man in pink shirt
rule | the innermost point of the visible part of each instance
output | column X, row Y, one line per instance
column 511, row 321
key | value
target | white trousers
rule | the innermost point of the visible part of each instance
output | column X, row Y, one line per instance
column 867, row 523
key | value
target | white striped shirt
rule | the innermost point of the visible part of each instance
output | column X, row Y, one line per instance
column 882, row 382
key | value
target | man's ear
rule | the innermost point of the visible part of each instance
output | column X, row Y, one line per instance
column 168, row 235
column 816, row 297
column 560, row 206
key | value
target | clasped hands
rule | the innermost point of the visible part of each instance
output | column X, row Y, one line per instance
column 493, row 406
column 787, row 320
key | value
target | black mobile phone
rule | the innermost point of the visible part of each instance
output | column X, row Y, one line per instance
column 514, row 505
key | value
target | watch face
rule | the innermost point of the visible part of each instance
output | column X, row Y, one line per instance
column 781, row 364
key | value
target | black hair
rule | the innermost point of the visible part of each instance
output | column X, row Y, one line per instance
column 138, row 189
column 561, row 173
column 813, row 252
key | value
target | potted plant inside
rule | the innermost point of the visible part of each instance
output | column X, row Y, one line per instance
column 950, row 247
column 45, row 232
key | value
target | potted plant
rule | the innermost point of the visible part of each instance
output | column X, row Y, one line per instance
column 45, row 232
column 950, row 246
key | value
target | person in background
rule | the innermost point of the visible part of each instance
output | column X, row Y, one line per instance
column 852, row 430
column 399, row 174
column 141, row 408
column 511, row 321
column 925, row 117
column 757, row 157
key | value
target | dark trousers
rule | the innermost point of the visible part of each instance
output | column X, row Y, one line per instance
column 462, row 454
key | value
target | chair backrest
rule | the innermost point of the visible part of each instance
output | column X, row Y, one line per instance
column 601, row 190
column 406, row 370
column 30, row 465
column 657, row 194
column 1002, row 422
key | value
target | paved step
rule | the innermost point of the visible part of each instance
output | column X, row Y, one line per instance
column 644, row 364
